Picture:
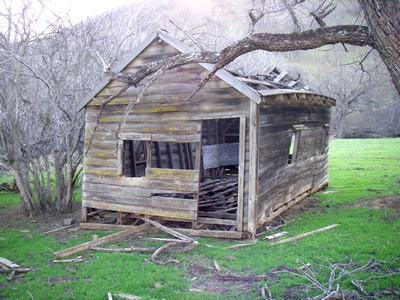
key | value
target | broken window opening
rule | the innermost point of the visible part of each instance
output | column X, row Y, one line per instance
column 220, row 147
column 137, row 156
column 294, row 144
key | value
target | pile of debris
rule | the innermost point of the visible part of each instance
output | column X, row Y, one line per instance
column 8, row 266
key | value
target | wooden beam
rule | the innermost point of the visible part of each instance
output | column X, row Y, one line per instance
column 107, row 227
column 253, row 168
column 102, row 240
column 216, row 221
column 212, row 233
column 241, row 173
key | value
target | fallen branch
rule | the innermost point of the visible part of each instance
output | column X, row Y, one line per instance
column 217, row 267
column 58, row 229
column 154, row 255
column 265, row 288
column 298, row 237
column 74, row 260
column 182, row 239
column 331, row 289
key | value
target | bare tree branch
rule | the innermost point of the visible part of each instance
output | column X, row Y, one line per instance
column 292, row 15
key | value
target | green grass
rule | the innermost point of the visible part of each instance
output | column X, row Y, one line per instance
column 362, row 169
column 359, row 170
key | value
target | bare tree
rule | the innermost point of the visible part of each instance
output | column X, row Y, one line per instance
column 46, row 68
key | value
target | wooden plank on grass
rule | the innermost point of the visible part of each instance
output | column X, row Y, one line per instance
column 297, row 237
column 102, row 240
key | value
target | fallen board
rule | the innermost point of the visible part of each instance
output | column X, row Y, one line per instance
column 102, row 240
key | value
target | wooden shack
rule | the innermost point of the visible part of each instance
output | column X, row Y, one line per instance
column 236, row 155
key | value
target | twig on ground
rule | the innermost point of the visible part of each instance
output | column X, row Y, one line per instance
column 331, row 289
column 58, row 229
column 159, row 250
column 217, row 267
column 265, row 288
column 181, row 239
column 11, row 276
column 30, row 295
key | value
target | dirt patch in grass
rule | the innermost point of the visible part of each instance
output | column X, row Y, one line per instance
column 209, row 280
column 13, row 216
column 386, row 202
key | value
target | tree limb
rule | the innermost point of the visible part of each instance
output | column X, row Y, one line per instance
column 310, row 39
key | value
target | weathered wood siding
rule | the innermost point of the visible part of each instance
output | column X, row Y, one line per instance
column 278, row 182
column 160, row 116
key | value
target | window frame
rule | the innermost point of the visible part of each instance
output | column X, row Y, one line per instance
column 297, row 134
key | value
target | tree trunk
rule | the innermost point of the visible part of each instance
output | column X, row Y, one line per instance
column 26, row 195
column 383, row 19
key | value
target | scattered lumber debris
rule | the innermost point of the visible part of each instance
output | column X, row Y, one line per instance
column 100, row 241
column 9, row 266
column 4, row 262
column 180, row 240
column 298, row 237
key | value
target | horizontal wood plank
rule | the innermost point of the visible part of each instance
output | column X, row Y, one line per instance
column 172, row 174
column 152, row 211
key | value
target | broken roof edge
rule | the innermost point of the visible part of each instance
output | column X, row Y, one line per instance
column 266, row 93
column 183, row 48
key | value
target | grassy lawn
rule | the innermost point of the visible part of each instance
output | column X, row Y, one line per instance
column 364, row 249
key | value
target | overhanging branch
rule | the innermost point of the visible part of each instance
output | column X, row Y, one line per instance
column 310, row 39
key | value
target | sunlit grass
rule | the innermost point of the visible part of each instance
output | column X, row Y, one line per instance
column 359, row 170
